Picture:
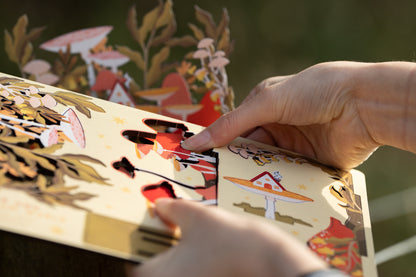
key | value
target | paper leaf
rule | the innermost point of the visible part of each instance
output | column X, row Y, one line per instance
column 166, row 16
column 225, row 21
column 19, row 32
column 165, row 35
column 148, row 24
column 134, row 56
column 14, row 140
column 80, row 102
column 9, row 47
column 224, row 43
column 156, row 68
column 34, row 33
column 78, row 170
column 27, row 53
column 132, row 24
column 185, row 41
column 197, row 32
column 206, row 19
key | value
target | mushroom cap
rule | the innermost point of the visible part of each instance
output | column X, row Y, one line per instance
column 219, row 53
column 156, row 94
column 184, row 109
column 284, row 195
column 219, row 62
column 48, row 79
column 80, row 41
column 200, row 54
column 111, row 58
column 205, row 42
column 36, row 67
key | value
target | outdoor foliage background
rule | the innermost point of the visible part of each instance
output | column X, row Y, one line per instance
column 272, row 37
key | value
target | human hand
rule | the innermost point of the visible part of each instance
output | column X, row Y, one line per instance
column 217, row 243
column 313, row 113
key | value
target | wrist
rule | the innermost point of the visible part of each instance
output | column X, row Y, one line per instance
column 385, row 97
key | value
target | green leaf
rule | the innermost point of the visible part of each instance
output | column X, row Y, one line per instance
column 155, row 69
column 134, row 56
column 197, row 32
column 132, row 24
column 206, row 19
column 9, row 47
column 149, row 21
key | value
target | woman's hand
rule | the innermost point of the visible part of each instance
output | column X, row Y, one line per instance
column 335, row 112
column 217, row 243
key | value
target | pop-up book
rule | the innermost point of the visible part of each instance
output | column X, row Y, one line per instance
column 83, row 172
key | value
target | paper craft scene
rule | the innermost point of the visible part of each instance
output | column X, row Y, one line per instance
column 85, row 172
column 91, row 133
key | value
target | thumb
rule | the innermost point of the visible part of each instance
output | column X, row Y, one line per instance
column 250, row 114
column 182, row 213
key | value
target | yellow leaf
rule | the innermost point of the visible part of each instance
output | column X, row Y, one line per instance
column 325, row 250
column 27, row 54
column 206, row 18
column 337, row 261
column 134, row 56
column 148, row 24
column 197, row 32
column 9, row 47
column 132, row 24
column 318, row 240
column 155, row 69
column 19, row 33
column 166, row 16
column 165, row 35
column 41, row 182
column 225, row 21
column 224, row 43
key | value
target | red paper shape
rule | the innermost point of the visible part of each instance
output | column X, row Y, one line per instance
column 156, row 191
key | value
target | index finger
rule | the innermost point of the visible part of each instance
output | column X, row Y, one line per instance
column 255, row 112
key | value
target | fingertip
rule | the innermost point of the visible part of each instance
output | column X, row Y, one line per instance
column 199, row 142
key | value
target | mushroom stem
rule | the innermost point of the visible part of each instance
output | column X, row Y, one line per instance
column 90, row 68
column 270, row 207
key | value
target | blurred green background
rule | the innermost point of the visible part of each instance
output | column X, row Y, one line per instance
column 274, row 37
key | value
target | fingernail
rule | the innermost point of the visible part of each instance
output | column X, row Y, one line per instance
column 197, row 141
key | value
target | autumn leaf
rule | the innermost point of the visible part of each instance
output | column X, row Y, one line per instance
column 165, row 35
column 197, row 32
column 134, row 56
column 9, row 47
column 185, row 41
column 149, row 21
column 225, row 21
column 206, row 19
column 80, row 102
column 155, row 68
column 132, row 23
